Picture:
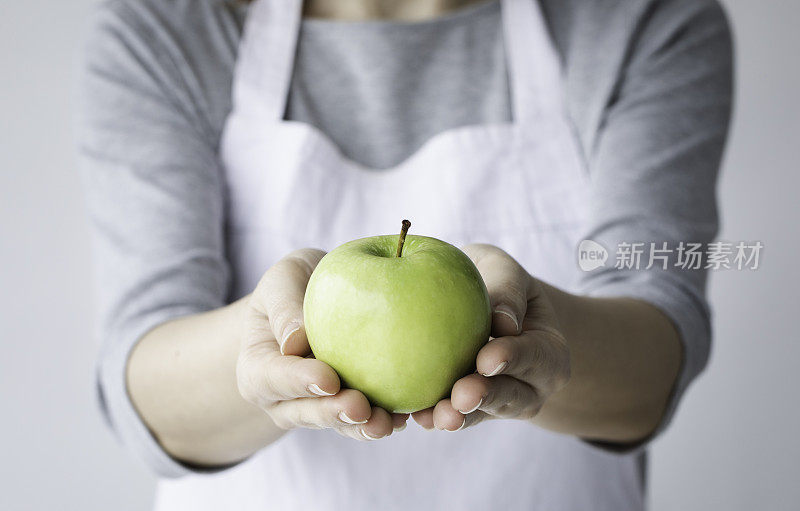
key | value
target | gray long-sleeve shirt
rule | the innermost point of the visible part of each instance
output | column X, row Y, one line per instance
column 648, row 86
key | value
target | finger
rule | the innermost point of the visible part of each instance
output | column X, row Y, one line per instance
column 507, row 283
column 262, row 380
column 347, row 408
column 280, row 295
column 501, row 396
column 399, row 421
column 469, row 393
column 538, row 357
column 447, row 418
column 289, row 377
column 424, row 418
column 379, row 425
column 264, row 375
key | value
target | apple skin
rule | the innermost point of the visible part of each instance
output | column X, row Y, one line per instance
column 402, row 330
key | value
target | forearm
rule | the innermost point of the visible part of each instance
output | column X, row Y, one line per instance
column 182, row 380
column 625, row 357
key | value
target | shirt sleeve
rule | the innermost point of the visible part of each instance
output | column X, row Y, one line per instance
column 654, row 170
column 155, row 203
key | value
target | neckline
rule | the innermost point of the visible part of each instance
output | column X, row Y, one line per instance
column 459, row 15
column 263, row 74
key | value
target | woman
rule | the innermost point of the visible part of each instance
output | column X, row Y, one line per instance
column 512, row 128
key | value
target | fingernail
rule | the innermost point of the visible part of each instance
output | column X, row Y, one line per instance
column 366, row 435
column 293, row 327
column 344, row 418
column 476, row 407
column 506, row 311
column 400, row 428
column 314, row 389
column 498, row 369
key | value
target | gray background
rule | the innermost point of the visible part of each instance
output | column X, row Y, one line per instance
column 733, row 445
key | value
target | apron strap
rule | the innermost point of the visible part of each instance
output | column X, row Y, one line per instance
column 534, row 65
column 264, row 66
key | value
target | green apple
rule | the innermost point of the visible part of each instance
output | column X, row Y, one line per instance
column 401, row 329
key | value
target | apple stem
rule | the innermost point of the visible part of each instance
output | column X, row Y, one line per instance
column 403, row 232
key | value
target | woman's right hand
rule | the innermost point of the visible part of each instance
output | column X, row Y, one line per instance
column 276, row 373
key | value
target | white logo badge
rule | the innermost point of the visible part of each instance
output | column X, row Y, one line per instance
column 591, row 255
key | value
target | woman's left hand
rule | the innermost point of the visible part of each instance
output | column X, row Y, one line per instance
column 526, row 361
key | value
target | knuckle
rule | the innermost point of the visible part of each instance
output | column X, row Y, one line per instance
column 269, row 294
column 530, row 410
column 294, row 376
column 247, row 393
column 352, row 433
column 274, row 280
column 477, row 250
column 516, row 295
column 536, row 355
column 252, row 302
column 276, row 377
column 561, row 380
column 552, row 360
column 303, row 260
column 526, row 404
column 248, row 388
column 490, row 250
column 484, row 254
column 275, row 273
column 497, row 256
column 564, row 361
column 306, row 419
column 563, row 374
column 508, row 403
column 279, row 316
column 280, row 419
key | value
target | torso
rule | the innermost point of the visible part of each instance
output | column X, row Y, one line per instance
column 521, row 185
column 208, row 33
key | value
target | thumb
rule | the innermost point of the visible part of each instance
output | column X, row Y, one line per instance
column 280, row 296
column 507, row 284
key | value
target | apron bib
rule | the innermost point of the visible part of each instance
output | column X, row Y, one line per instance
column 522, row 186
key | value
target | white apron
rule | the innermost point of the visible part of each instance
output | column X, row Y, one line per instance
column 521, row 186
